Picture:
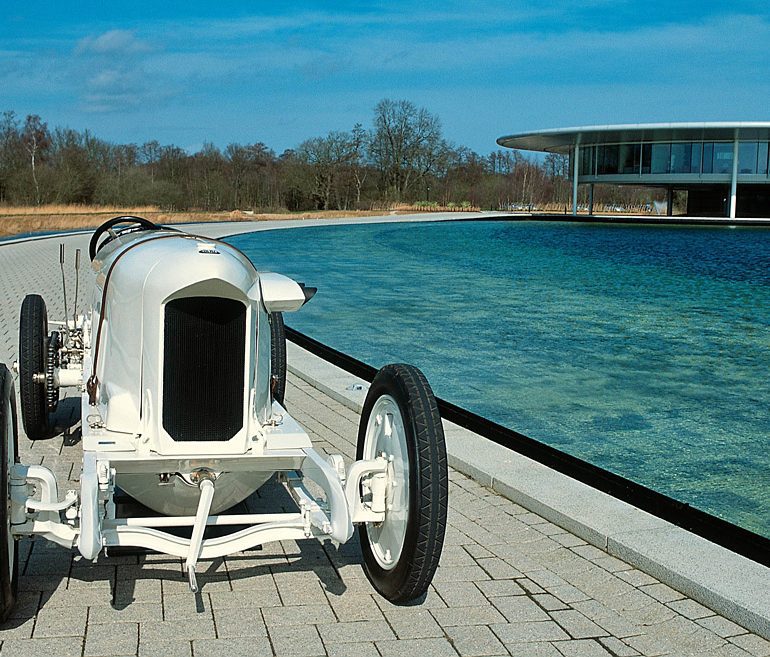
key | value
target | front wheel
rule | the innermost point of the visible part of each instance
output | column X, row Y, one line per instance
column 9, row 454
column 401, row 421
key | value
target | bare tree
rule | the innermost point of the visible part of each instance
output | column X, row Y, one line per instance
column 406, row 144
column 328, row 158
column 36, row 140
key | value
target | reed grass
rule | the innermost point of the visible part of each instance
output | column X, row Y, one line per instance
column 52, row 218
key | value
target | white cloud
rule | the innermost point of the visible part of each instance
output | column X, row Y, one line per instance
column 118, row 42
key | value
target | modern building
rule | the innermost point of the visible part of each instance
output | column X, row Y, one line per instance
column 722, row 166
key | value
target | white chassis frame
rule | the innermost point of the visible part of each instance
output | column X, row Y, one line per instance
column 86, row 519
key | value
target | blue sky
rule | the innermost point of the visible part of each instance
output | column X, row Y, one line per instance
column 196, row 71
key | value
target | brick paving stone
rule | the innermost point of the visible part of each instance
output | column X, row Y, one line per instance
column 577, row 625
column 166, row 648
column 518, row 609
column 500, row 587
column 547, row 579
column 251, row 647
column 136, row 612
column 416, row 648
column 637, row 578
column 612, row 564
column 661, row 592
column 616, row 624
column 617, row 647
column 70, row 599
column 413, row 624
column 475, row 641
column 17, row 628
column 483, row 615
column 245, row 622
column 582, row 648
column 456, row 555
column 298, row 615
column 498, row 568
column 27, row 604
column 534, row 649
column 355, row 631
column 529, row 586
column 181, row 607
column 477, row 551
column 357, row 649
column 721, row 626
column 753, row 644
column 296, row 641
column 460, row 574
column 690, row 609
column 61, row 621
column 460, row 594
column 54, row 647
column 179, row 630
column 261, row 597
column 113, row 639
column 355, row 607
column 549, row 602
column 526, row 632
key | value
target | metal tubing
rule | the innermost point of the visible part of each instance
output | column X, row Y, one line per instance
column 204, row 506
column 212, row 548
column 184, row 521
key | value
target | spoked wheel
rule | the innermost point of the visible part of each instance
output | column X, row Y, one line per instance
column 400, row 419
column 277, row 356
column 33, row 367
column 9, row 454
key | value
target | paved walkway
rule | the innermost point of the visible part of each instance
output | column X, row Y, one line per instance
column 509, row 582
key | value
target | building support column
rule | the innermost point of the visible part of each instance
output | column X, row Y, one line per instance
column 591, row 199
column 670, row 202
column 734, row 179
column 575, row 174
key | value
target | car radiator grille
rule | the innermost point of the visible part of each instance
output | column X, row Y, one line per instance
column 203, row 345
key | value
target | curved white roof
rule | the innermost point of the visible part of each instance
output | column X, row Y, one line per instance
column 561, row 140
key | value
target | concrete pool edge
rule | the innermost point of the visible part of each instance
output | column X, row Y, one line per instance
column 724, row 581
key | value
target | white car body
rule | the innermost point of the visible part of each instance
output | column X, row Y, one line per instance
column 147, row 430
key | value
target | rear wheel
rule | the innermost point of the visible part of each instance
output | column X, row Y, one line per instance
column 33, row 366
column 277, row 357
column 9, row 454
column 400, row 420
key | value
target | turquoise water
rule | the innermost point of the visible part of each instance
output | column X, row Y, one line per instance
column 644, row 350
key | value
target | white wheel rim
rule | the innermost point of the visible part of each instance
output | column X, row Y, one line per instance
column 8, row 465
column 385, row 434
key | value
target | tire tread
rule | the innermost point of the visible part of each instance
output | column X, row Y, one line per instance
column 434, row 483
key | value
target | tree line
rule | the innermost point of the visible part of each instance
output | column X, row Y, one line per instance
column 403, row 158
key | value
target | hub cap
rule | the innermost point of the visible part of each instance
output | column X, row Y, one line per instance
column 386, row 436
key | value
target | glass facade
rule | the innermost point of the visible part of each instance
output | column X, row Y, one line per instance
column 688, row 158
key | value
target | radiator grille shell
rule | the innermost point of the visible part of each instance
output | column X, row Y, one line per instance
column 204, row 342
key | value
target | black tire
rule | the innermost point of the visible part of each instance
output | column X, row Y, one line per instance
column 277, row 357
column 9, row 453
column 33, row 350
column 411, row 574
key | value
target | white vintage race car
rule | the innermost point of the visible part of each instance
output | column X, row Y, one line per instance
column 181, row 366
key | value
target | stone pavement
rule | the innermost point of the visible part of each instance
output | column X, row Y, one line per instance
column 509, row 583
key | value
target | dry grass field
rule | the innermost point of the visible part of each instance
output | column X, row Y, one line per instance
column 46, row 218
